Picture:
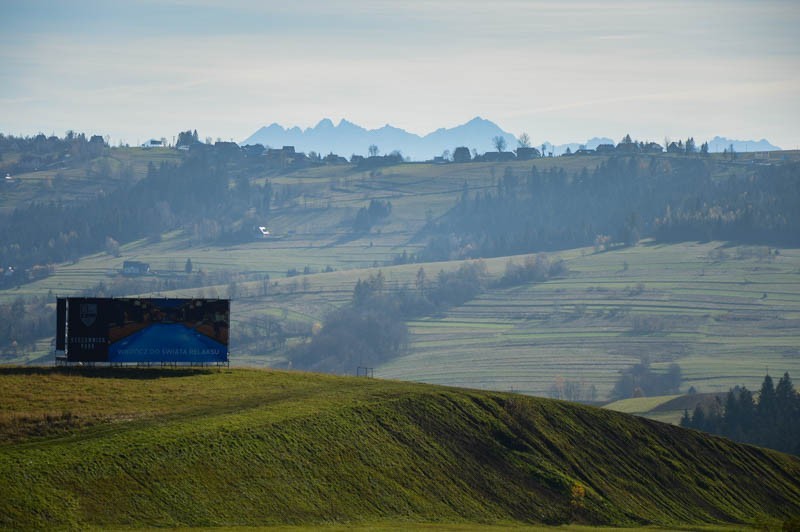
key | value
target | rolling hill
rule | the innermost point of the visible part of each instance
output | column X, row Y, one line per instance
column 723, row 312
column 132, row 448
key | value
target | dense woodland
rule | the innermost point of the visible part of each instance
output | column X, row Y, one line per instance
column 621, row 201
column 771, row 421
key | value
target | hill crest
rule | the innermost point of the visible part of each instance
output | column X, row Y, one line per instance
column 247, row 447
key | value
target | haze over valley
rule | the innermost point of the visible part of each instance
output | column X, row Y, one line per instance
column 392, row 266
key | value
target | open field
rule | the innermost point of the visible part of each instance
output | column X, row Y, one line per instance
column 313, row 229
column 137, row 448
column 725, row 319
column 726, row 315
column 80, row 182
column 724, row 322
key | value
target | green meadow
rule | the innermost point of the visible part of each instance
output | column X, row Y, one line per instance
column 144, row 448
column 726, row 314
column 725, row 322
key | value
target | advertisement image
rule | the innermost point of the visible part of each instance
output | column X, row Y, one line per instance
column 139, row 330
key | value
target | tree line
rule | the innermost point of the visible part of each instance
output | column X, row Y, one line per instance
column 206, row 194
column 371, row 328
column 622, row 200
column 772, row 420
column 41, row 152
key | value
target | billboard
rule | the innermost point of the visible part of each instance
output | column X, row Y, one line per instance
column 142, row 330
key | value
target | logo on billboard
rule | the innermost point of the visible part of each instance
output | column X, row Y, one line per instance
column 88, row 313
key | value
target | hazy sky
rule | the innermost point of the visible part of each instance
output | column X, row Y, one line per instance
column 559, row 70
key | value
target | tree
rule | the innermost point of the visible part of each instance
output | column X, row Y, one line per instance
column 420, row 281
column 186, row 138
column 373, row 150
column 686, row 420
column 690, row 145
column 766, row 398
column 784, row 391
column 524, row 141
column 233, row 290
column 499, row 143
column 699, row 418
column 112, row 247
column 188, row 267
column 704, row 148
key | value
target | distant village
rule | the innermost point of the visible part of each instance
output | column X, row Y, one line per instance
column 288, row 158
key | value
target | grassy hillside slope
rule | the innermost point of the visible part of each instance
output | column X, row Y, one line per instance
column 726, row 315
column 723, row 313
column 132, row 448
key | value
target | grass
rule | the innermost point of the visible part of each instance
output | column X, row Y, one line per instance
column 195, row 448
column 76, row 182
column 713, row 317
column 639, row 405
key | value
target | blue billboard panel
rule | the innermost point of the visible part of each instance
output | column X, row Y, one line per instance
column 141, row 330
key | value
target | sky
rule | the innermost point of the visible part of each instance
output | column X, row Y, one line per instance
column 562, row 71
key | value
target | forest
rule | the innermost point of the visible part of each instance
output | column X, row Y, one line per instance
column 623, row 200
column 772, row 420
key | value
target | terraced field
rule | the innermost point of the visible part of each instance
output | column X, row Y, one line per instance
column 725, row 315
column 314, row 229
column 724, row 322
column 76, row 183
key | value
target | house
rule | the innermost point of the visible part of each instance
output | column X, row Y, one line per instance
column 332, row 158
column 263, row 231
column 461, row 155
column 253, row 150
column 604, row 149
column 284, row 156
column 675, row 148
column 627, row 147
column 133, row 268
column 653, row 147
column 153, row 143
column 585, row 151
column 496, row 156
column 527, row 153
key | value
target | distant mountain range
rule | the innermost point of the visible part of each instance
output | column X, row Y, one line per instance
column 347, row 138
column 720, row 144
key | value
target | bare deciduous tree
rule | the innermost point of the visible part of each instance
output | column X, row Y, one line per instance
column 499, row 143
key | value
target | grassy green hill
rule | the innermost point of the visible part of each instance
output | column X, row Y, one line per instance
column 153, row 448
